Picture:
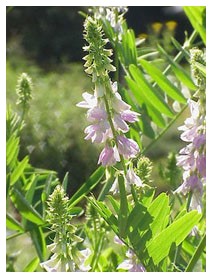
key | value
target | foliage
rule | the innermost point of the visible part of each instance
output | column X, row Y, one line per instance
column 128, row 225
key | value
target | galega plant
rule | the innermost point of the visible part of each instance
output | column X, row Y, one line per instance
column 120, row 219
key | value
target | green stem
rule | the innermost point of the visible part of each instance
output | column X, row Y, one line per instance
column 114, row 131
column 15, row 235
column 196, row 255
column 189, row 200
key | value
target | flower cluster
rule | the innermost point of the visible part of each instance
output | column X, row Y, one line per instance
column 66, row 256
column 24, row 90
column 108, row 114
column 112, row 16
column 192, row 158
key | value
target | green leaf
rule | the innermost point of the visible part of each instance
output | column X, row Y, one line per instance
column 114, row 203
column 12, row 149
column 105, row 213
column 89, row 185
column 179, row 71
column 31, row 267
column 25, row 209
column 65, row 181
column 197, row 254
column 107, row 185
column 13, row 224
column 159, row 246
column 149, row 92
column 123, row 212
column 139, row 218
column 197, row 17
column 38, row 239
column 31, row 186
column 155, row 115
column 19, row 170
column 76, row 211
column 159, row 210
column 163, row 82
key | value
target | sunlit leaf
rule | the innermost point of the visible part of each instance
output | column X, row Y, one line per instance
column 159, row 246
column 163, row 82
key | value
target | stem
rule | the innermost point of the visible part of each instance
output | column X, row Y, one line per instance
column 114, row 131
column 196, row 255
column 15, row 235
column 189, row 200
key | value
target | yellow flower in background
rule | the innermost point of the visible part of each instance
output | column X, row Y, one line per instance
column 171, row 25
column 157, row 26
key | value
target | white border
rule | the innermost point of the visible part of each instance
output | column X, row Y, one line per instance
column 3, row 4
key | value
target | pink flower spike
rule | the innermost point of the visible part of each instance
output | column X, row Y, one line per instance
column 109, row 156
column 127, row 147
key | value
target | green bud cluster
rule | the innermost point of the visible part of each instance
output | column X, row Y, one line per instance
column 66, row 256
column 198, row 58
column 24, row 90
column 144, row 169
column 98, row 63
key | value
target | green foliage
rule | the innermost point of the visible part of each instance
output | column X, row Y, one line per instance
column 197, row 17
column 155, row 226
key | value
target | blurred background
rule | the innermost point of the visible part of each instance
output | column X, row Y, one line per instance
column 46, row 43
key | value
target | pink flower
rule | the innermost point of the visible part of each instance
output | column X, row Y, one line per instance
column 129, row 116
column 90, row 101
column 109, row 156
column 131, row 264
column 127, row 147
column 120, row 124
column 132, row 178
column 97, row 132
column 96, row 114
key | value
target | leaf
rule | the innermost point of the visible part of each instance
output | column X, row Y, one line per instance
column 31, row 267
column 38, row 239
column 159, row 210
column 149, row 92
column 12, row 149
column 155, row 115
column 108, row 184
column 65, row 181
column 139, row 218
column 31, row 188
column 76, row 211
column 123, row 212
column 114, row 203
column 89, row 185
column 25, row 209
column 105, row 213
column 197, row 16
column 19, row 170
column 159, row 246
column 163, row 82
column 13, row 224
column 179, row 71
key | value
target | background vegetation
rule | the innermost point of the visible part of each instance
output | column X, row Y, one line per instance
column 46, row 42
